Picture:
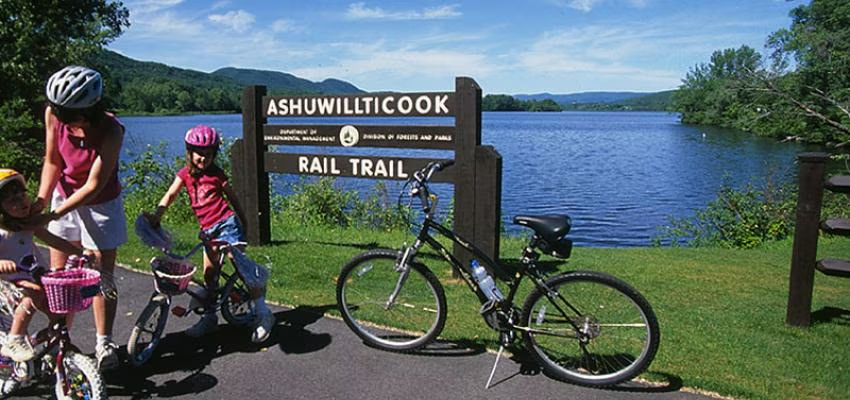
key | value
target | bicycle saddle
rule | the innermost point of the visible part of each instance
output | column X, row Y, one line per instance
column 549, row 227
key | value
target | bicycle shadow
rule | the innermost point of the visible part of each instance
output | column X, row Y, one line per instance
column 528, row 366
column 178, row 353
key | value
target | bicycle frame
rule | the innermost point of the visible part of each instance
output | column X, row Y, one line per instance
column 425, row 236
column 55, row 337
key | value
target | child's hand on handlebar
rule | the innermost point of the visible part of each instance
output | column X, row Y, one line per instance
column 153, row 218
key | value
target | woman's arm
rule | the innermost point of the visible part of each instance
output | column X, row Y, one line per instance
column 56, row 242
column 52, row 163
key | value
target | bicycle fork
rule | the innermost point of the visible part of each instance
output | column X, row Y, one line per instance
column 403, row 268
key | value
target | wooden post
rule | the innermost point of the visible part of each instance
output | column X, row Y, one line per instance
column 804, row 253
column 488, row 200
column 467, row 140
column 255, row 198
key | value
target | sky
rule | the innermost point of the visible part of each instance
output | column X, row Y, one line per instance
column 506, row 46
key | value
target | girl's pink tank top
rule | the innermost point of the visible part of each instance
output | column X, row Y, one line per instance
column 78, row 155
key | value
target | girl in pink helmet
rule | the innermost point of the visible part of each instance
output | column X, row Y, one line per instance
column 219, row 213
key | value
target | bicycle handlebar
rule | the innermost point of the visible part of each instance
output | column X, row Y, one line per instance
column 421, row 178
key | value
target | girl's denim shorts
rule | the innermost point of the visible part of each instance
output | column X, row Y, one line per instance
column 228, row 230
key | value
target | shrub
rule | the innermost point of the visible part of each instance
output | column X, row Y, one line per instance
column 745, row 218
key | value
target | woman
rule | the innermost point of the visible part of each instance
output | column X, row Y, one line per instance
column 80, row 179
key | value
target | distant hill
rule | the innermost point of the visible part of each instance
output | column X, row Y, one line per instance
column 283, row 82
column 149, row 87
column 607, row 100
column 584, row 97
column 124, row 69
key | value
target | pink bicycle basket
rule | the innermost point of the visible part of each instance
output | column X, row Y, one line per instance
column 171, row 276
column 70, row 290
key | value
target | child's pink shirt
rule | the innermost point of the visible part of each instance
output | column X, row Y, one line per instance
column 206, row 195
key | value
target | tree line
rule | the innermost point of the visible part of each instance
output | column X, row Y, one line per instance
column 799, row 91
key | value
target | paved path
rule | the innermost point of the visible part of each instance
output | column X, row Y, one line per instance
column 309, row 356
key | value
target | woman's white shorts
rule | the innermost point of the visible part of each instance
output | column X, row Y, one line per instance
column 98, row 226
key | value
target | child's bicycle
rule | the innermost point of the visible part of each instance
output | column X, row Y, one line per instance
column 583, row 327
column 172, row 275
column 76, row 374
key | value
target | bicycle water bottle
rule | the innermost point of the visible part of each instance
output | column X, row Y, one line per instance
column 485, row 282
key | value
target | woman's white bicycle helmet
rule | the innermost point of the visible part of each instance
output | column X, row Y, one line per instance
column 75, row 87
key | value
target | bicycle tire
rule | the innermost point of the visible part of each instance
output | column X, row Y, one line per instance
column 85, row 381
column 619, row 333
column 147, row 332
column 419, row 312
column 237, row 308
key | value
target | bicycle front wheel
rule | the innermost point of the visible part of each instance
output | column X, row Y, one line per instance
column 82, row 379
column 590, row 329
column 407, row 322
column 236, row 305
column 148, row 330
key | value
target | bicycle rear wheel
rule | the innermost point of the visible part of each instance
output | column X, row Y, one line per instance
column 81, row 377
column 411, row 321
column 590, row 329
column 236, row 305
column 148, row 329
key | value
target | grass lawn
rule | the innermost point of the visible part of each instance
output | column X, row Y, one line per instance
column 722, row 312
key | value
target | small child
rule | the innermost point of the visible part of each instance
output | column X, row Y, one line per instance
column 15, row 246
column 218, row 211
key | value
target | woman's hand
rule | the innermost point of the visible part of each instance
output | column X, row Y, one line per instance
column 37, row 206
column 36, row 221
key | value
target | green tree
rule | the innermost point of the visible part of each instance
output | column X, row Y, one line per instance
column 817, row 44
column 719, row 92
column 37, row 38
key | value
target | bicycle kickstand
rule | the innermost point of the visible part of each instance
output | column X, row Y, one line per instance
column 495, row 364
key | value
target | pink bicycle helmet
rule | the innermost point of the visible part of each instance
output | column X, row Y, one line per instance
column 202, row 136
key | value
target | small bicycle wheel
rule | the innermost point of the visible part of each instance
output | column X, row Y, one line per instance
column 236, row 305
column 148, row 329
column 590, row 329
column 82, row 379
column 409, row 321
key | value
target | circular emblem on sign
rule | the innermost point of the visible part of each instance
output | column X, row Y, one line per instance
column 348, row 136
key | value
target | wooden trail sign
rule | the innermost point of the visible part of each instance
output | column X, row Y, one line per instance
column 476, row 174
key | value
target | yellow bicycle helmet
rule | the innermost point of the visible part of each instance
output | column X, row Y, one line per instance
column 9, row 175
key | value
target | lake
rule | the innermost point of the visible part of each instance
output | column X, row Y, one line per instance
column 619, row 175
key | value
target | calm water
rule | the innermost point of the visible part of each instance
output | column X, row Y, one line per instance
column 619, row 175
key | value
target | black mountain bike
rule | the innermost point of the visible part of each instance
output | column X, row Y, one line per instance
column 583, row 327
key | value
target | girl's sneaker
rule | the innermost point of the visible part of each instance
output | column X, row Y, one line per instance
column 263, row 327
column 17, row 348
column 107, row 356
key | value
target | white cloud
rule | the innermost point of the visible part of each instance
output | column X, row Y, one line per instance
column 582, row 5
column 360, row 11
column 151, row 6
column 240, row 21
column 285, row 25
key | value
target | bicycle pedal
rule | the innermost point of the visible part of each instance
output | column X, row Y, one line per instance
column 179, row 311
